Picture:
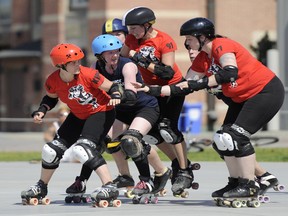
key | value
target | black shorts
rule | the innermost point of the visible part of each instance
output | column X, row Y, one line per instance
column 151, row 114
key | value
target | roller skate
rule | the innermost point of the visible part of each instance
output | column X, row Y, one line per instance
column 244, row 195
column 143, row 192
column 266, row 182
column 36, row 194
column 160, row 181
column 76, row 192
column 106, row 196
column 126, row 182
column 185, row 179
column 218, row 195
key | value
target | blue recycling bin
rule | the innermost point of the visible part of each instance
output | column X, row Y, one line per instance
column 190, row 120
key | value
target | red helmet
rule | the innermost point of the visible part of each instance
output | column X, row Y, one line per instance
column 61, row 54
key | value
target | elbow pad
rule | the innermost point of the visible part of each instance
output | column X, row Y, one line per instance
column 163, row 71
column 177, row 91
column 48, row 101
column 129, row 97
column 228, row 74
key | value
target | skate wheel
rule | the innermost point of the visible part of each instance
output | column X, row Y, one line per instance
column 144, row 200
column 76, row 199
column 254, row 204
column 184, row 194
column 196, row 166
column 154, row 200
column 45, row 201
column 244, row 203
column 236, row 204
column 163, row 192
column 33, row 201
column 219, row 202
column 135, row 200
column 24, row 202
column 279, row 187
column 117, row 203
column 103, row 203
column 68, row 199
column 129, row 194
column 195, row 185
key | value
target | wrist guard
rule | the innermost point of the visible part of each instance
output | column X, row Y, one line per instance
column 199, row 84
column 154, row 91
column 42, row 109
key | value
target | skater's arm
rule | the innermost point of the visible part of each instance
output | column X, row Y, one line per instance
column 48, row 102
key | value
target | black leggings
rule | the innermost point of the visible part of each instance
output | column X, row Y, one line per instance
column 257, row 111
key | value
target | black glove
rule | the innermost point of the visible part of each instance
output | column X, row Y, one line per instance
column 199, row 84
column 140, row 60
column 116, row 96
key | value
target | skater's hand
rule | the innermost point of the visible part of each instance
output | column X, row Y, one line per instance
column 38, row 117
column 140, row 86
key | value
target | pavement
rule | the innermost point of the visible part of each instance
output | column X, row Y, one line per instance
column 18, row 176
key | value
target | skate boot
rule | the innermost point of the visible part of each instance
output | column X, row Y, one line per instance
column 245, row 194
column 245, row 188
column 123, row 181
column 183, row 180
column 232, row 183
column 160, row 181
column 126, row 182
column 266, row 182
column 106, row 196
column 36, row 194
column 175, row 168
column 143, row 192
column 144, row 186
column 76, row 191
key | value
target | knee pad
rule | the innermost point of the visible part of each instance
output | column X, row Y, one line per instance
column 112, row 146
column 52, row 153
column 233, row 141
column 153, row 137
column 86, row 152
column 132, row 145
column 168, row 134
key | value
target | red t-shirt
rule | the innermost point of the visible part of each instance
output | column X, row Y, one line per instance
column 153, row 49
column 252, row 74
column 82, row 95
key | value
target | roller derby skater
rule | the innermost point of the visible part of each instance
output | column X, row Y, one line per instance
column 36, row 194
column 76, row 192
column 135, row 116
column 87, row 123
column 266, row 182
column 106, row 196
column 148, row 190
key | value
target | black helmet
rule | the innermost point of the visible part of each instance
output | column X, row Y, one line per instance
column 198, row 26
column 138, row 16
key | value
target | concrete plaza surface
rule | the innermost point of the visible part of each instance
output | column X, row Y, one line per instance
column 18, row 176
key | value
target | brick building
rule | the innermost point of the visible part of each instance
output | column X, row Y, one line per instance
column 30, row 28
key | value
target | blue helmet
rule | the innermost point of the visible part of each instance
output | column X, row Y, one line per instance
column 113, row 25
column 105, row 42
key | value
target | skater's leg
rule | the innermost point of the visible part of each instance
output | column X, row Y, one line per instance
column 168, row 150
column 155, row 161
column 259, row 170
column 247, row 166
column 121, row 162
